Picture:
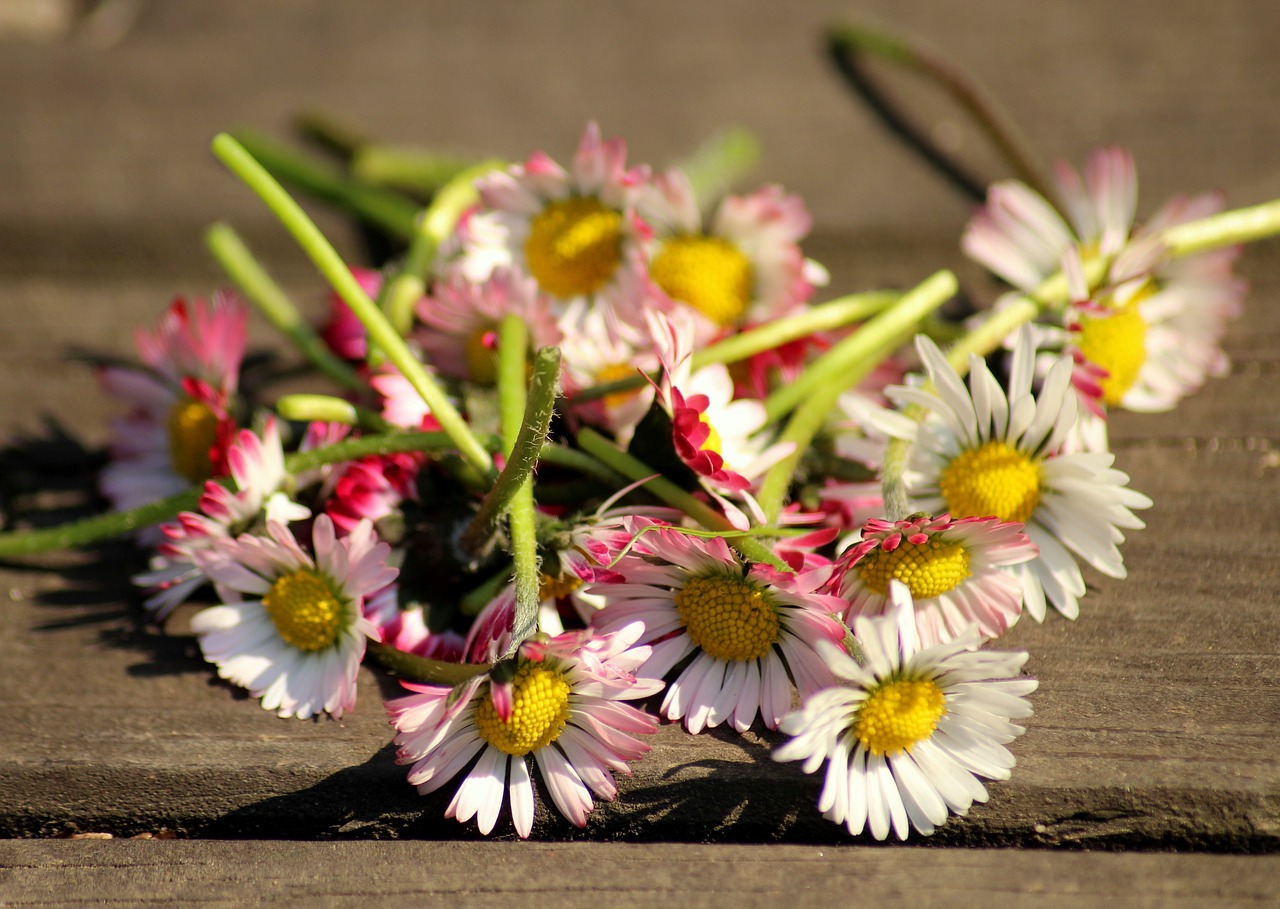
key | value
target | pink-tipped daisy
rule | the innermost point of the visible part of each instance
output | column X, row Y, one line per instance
column 562, row 704
column 986, row 452
column 600, row 352
column 952, row 567
column 720, row 438
column 908, row 737
column 291, row 628
column 459, row 332
column 261, row 494
column 1146, row 330
column 576, row 232
column 735, row 636
column 744, row 266
column 181, row 405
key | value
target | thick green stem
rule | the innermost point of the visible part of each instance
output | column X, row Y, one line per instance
column 421, row 669
column 330, row 264
column 599, row 447
column 841, row 368
column 374, row 205
column 243, row 269
column 478, row 538
column 829, row 316
column 1242, row 225
column 408, row 169
column 115, row 523
column 513, row 342
column 436, row 223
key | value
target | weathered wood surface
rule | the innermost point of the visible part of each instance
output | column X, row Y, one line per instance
column 1157, row 711
column 634, row 876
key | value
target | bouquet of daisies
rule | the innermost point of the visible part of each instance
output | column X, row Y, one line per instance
column 593, row 450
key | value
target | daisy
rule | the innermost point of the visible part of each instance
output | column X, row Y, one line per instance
column 1151, row 331
column 983, row 452
column 257, row 466
column 558, row 701
column 181, row 419
column 719, row 437
column 734, row 636
column 910, row 735
column 576, row 232
column 459, row 333
column 291, row 628
column 599, row 351
column 745, row 266
column 952, row 568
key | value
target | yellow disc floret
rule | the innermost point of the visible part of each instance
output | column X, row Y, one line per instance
column 539, row 711
column 574, row 246
column 305, row 610
column 898, row 714
column 1118, row 343
column 710, row 274
column 193, row 430
column 728, row 617
column 994, row 479
column 929, row 570
column 553, row 588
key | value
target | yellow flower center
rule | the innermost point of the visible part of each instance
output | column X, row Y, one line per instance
column 994, row 479
column 933, row 568
column 616, row 372
column 305, row 610
column 574, row 246
column 539, row 711
column 729, row 618
column 712, row 442
column 193, row 430
column 708, row 273
column 482, row 356
column 1117, row 342
column 550, row 588
column 897, row 714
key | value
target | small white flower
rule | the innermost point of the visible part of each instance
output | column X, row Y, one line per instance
column 907, row 740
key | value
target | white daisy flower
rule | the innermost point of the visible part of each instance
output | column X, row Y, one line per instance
column 908, row 738
column 951, row 566
column 733, row 635
column 557, row 703
column 257, row 466
column 983, row 452
column 291, row 628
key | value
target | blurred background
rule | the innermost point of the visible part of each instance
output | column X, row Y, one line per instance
column 107, row 109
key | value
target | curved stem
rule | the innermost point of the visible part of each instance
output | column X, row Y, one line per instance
column 633, row 469
column 841, row 368
column 339, row 276
column 848, row 42
column 252, row 279
column 421, row 669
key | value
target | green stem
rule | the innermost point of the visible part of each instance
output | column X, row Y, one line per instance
column 421, row 669
column 407, row 169
column 305, row 408
column 434, row 225
column 561, row 456
column 243, row 269
column 384, row 209
column 829, row 316
column 841, row 368
column 478, row 538
column 876, row 334
column 849, row 41
column 719, row 163
column 633, row 469
column 379, row 330
column 1243, row 225
column 115, row 523
column 515, row 415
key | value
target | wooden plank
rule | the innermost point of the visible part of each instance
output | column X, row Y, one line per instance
column 588, row 875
